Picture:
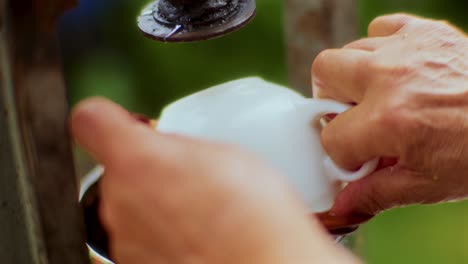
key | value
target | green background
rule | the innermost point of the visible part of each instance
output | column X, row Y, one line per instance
column 105, row 54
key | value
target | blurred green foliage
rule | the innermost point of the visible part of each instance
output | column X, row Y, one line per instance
column 106, row 55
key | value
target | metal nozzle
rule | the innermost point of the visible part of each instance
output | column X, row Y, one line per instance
column 194, row 20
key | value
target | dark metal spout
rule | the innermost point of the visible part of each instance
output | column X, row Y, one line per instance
column 187, row 2
column 194, row 20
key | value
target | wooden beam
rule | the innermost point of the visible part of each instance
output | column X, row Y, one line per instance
column 40, row 217
column 312, row 26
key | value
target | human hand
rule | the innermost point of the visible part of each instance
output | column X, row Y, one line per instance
column 409, row 80
column 169, row 199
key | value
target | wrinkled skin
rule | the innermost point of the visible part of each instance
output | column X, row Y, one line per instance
column 409, row 81
column 169, row 199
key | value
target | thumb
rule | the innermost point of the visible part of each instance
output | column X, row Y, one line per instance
column 385, row 189
column 105, row 129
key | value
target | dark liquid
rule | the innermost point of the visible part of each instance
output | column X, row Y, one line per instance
column 97, row 237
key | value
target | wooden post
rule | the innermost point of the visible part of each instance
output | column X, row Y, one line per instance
column 312, row 26
column 40, row 218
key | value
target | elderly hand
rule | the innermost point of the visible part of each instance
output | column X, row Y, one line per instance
column 169, row 199
column 409, row 81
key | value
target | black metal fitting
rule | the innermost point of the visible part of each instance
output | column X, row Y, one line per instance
column 194, row 20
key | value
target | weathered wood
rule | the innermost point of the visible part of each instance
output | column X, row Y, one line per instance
column 312, row 26
column 40, row 218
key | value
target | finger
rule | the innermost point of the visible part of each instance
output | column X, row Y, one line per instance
column 105, row 129
column 388, row 188
column 358, row 136
column 340, row 74
column 388, row 25
column 368, row 44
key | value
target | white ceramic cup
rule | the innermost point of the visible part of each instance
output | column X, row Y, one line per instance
column 281, row 126
column 278, row 124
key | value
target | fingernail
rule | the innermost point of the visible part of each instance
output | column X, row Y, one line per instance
column 145, row 120
column 332, row 222
column 316, row 86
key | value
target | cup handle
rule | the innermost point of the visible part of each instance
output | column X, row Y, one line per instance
column 349, row 176
column 324, row 107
